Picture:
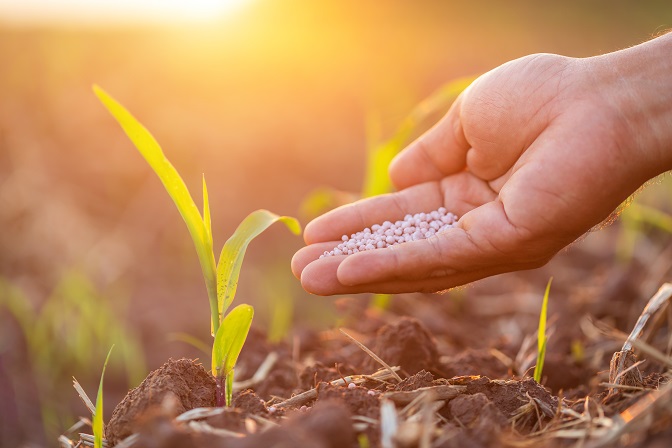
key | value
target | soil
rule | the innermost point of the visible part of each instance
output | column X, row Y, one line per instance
column 446, row 397
column 455, row 373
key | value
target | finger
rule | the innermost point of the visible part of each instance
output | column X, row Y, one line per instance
column 320, row 278
column 306, row 255
column 351, row 218
column 437, row 153
column 458, row 193
column 482, row 239
column 439, row 255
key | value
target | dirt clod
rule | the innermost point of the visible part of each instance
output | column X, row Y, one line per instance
column 481, row 419
column 191, row 385
column 249, row 403
column 357, row 399
column 420, row 379
column 407, row 344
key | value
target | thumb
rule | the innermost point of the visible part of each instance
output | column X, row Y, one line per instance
column 437, row 153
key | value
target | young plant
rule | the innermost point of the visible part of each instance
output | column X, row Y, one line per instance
column 221, row 279
column 97, row 424
column 542, row 339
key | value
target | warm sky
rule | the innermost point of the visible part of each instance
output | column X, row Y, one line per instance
column 114, row 11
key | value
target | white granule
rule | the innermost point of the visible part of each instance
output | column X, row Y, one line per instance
column 412, row 228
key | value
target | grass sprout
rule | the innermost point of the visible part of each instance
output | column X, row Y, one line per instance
column 221, row 279
column 97, row 424
column 65, row 333
column 542, row 338
column 379, row 156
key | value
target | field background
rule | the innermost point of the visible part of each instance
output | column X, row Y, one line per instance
column 269, row 101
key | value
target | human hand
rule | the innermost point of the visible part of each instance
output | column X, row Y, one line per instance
column 531, row 156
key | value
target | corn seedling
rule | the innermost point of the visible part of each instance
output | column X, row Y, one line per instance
column 542, row 339
column 97, row 424
column 221, row 279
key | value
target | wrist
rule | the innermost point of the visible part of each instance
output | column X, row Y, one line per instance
column 636, row 84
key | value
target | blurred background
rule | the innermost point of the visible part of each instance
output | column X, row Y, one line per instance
column 270, row 99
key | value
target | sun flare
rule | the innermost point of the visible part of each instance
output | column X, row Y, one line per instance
column 117, row 11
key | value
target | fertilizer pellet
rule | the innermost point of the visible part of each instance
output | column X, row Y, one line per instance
column 379, row 236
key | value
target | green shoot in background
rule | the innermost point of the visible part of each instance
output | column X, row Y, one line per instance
column 65, row 333
column 635, row 217
column 380, row 153
column 97, row 424
column 221, row 280
column 541, row 335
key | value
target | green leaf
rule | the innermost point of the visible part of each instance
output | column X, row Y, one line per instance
column 206, row 213
column 541, row 357
column 229, row 341
column 230, row 338
column 233, row 252
column 541, row 334
column 97, row 424
column 175, row 186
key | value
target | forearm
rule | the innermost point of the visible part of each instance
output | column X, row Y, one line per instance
column 637, row 83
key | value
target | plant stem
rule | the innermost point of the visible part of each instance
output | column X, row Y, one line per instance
column 219, row 392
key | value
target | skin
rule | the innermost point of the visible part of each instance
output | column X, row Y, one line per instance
column 531, row 156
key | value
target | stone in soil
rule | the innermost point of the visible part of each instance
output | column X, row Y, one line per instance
column 190, row 384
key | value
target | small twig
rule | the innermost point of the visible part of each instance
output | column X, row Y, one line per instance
column 65, row 442
column 622, row 386
column 442, row 392
column 652, row 307
column 87, row 440
column 85, row 398
column 634, row 366
column 371, row 354
column 128, row 442
column 199, row 413
column 260, row 375
column 311, row 394
column 637, row 415
column 205, row 428
column 429, row 407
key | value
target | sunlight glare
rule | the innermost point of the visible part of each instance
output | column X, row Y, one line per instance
column 117, row 11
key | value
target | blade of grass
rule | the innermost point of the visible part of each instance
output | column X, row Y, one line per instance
column 229, row 341
column 541, row 335
column 97, row 424
column 176, row 188
column 376, row 180
column 191, row 340
column 233, row 252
